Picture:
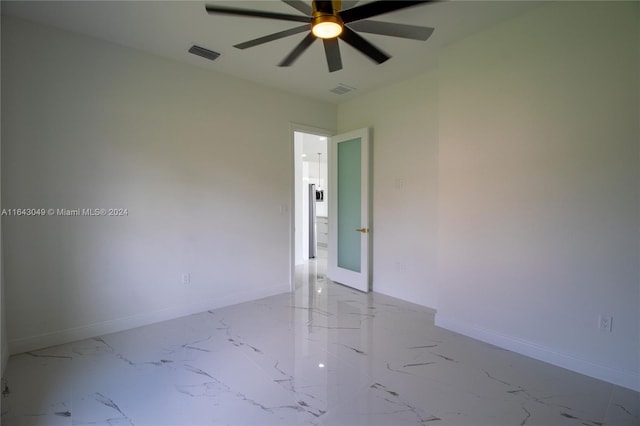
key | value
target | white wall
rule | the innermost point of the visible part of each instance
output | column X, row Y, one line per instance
column 404, row 118
column 201, row 161
column 525, row 142
column 538, row 186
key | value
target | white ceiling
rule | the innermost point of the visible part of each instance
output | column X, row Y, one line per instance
column 311, row 146
column 169, row 28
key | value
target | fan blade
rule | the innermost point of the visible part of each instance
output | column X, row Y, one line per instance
column 272, row 37
column 412, row 32
column 351, row 37
column 298, row 50
column 376, row 8
column 332, row 52
column 255, row 13
column 300, row 6
column 348, row 4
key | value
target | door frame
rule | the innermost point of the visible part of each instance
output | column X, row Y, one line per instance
column 303, row 128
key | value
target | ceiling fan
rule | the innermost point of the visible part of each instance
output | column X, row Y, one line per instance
column 324, row 19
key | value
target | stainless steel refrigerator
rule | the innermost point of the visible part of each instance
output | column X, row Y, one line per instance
column 312, row 221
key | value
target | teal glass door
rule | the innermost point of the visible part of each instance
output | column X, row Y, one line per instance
column 349, row 210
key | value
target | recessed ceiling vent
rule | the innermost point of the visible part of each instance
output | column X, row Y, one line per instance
column 205, row 53
column 341, row 89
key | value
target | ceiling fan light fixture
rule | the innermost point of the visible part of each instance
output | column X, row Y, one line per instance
column 326, row 20
column 326, row 26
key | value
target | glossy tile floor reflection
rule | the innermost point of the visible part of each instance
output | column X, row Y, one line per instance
column 324, row 355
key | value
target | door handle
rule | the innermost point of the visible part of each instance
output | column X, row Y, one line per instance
column 363, row 230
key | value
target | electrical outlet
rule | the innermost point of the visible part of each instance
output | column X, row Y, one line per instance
column 186, row 278
column 605, row 323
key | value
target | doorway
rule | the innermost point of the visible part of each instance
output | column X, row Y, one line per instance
column 311, row 205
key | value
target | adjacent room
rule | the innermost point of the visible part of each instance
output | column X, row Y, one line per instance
column 211, row 217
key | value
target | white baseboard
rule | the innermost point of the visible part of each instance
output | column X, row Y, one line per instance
column 31, row 343
column 627, row 379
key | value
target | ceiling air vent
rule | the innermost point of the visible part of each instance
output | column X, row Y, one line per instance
column 205, row 53
column 341, row 89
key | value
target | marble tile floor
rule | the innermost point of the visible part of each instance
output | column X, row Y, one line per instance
column 323, row 355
